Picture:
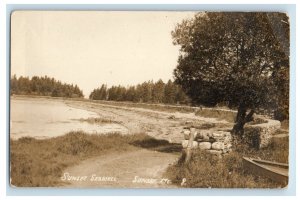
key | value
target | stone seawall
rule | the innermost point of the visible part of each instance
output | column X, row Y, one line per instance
column 258, row 134
column 215, row 142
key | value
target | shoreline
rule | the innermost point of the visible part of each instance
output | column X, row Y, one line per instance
column 165, row 107
column 155, row 135
column 159, row 123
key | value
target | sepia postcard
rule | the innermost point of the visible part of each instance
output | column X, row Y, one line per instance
column 149, row 99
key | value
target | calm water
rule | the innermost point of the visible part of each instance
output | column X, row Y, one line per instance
column 42, row 118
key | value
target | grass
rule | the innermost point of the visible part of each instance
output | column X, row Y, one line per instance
column 36, row 163
column 41, row 162
column 205, row 170
column 98, row 120
column 224, row 114
column 158, row 107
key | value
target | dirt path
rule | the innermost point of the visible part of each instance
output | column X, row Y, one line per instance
column 138, row 169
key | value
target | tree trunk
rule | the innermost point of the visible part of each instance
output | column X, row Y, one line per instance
column 241, row 119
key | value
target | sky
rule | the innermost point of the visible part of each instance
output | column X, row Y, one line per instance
column 90, row 48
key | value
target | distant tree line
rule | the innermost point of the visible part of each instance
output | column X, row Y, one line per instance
column 44, row 86
column 146, row 92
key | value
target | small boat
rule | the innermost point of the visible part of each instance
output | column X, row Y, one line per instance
column 278, row 172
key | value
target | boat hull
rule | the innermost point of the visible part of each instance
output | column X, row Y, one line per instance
column 276, row 171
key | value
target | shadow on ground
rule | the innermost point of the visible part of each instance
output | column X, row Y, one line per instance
column 158, row 145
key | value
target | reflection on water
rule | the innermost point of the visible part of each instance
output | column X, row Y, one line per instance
column 42, row 118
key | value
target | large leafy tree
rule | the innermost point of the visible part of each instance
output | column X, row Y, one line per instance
column 238, row 58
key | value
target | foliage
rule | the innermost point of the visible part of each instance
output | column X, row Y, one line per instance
column 147, row 92
column 99, row 93
column 206, row 170
column 238, row 58
column 44, row 86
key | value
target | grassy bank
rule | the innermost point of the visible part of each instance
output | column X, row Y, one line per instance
column 205, row 170
column 41, row 162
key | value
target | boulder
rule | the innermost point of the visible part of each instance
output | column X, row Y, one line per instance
column 217, row 146
column 218, row 134
column 186, row 142
column 203, row 133
column 204, row 145
column 206, row 139
column 221, row 134
column 186, row 134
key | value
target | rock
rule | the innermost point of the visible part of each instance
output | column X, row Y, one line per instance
column 218, row 134
column 217, row 146
column 195, row 144
column 186, row 142
column 204, row 145
column 221, row 134
column 227, row 134
column 189, row 122
column 172, row 117
column 206, row 138
column 203, row 133
column 186, row 134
